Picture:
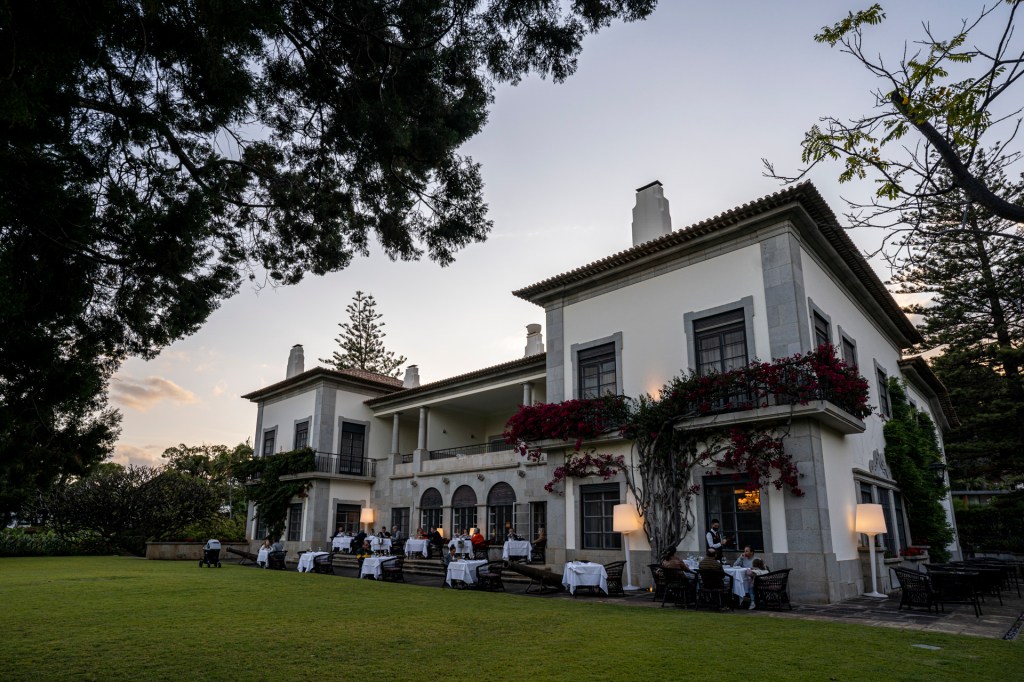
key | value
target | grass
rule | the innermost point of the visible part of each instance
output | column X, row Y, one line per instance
column 102, row 618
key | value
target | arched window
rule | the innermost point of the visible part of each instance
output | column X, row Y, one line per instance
column 430, row 509
column 501, row 504
column 463, row 509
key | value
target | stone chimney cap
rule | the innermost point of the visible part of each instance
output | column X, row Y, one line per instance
column 648, row 185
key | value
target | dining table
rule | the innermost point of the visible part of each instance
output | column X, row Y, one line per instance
column 372, row 566
column 462, row 546
column 584, row 574
column 379, row 544
column 417, row 547
column 517, row 548
column 741, row 580
column 342, row 543
column 261, row 557
column 463, row 570
column 306, row 561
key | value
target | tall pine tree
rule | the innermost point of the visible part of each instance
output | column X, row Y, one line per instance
column 970, row 263
column 362, row 340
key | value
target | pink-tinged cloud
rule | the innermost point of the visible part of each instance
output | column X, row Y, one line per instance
column 142, row 394
column 147, row 455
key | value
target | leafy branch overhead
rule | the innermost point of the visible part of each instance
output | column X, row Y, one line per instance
column 951, row 93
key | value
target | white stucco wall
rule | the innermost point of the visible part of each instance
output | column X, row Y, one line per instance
column 283, row 413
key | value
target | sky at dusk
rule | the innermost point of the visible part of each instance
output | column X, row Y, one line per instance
column 694, row 97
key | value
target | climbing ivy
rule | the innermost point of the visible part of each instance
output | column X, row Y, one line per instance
column 265, row 487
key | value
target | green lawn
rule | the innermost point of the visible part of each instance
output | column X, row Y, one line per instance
column 115, row 618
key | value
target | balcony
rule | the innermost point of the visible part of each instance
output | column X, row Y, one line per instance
column 333, row 465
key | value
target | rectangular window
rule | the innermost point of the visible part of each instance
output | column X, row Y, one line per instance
column 883, row 394
column 538, row 518
column 400, row 518
column 738, row 509
column 268, row 442
column 430, row 517
column 302, row 435
column 463, row 518
column 597, row 371
column 822, row 331
column 295, row 522
column 261, row 528
column 721, row 342
column 849, row 352
column 353, row 439
column 598, row 510
column 899, row 525
column 889, row 538
column 346, row 518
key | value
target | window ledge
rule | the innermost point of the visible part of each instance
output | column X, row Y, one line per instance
column 828, row 413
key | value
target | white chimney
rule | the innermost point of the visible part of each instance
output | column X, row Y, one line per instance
column 412, row 377
column 651, row 218
column 296, row 362
column 534, row 340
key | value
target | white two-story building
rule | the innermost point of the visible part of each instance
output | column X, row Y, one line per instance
column 766, row 280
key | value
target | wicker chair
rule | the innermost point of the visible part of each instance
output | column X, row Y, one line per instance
column 714, row 588
column 916, row 590
column 956, row 586
column 537, row 556
column 275, row 559
column 680, row 588
column 772, row 590
column 658, row 581
column 392, row 569
column 481, row 551
column 324, row 563
column 614, row 571
column 488, row 577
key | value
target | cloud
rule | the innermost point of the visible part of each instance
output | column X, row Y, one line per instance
column 142, row 394
column 146, row 455
column 219, row 389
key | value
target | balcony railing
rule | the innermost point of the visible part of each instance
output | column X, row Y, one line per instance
column 332, row 463
column 476, row 449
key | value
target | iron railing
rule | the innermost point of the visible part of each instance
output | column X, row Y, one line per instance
column 475, row 449
column 333, row 463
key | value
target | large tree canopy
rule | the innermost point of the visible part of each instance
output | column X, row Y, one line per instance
column 154, row 154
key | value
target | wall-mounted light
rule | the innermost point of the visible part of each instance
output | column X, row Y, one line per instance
column 445, row 480
column 480, row 477
column 522, row 474
column 414, row 484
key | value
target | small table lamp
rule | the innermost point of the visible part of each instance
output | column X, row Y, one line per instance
column 625, row 521
column 871, row 522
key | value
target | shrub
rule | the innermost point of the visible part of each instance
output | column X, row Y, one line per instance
column 222, row 528
column 22, row 542
column 998, row 526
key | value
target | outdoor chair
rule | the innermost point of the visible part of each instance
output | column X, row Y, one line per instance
column 680, row 587
column 481, row 551
column 916, row 590
column 324, row 564
column 614, row 571
column 537, row 555
column 657, row 580
column 392, row 569
column 1007, row 570
column 771, row 590
column 956, row 586
column 488, row 577
column 714, row 588
column 275, row 559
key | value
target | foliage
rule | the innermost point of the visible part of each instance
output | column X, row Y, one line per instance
column 155, row 154
column 998, row 526
column 910, row 449
column 215, row 464
column 126, row 506
column 58, row 613
column 362, row 340
column 224, row 528
column 22, row 542
column 924, row 90
column 668, row 444
column 265, row 487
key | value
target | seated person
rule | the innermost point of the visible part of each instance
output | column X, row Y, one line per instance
column 420, row 534
column 266, row 544
column 450, row 556
column 710, row 562
column 477, row 539
column 435, row 537
column 396, row 533
column 367, row 549
column 757, row 568
column 746, row 559
column 541, row 539
column 357, row 542
column 673, row 562
column 512, row 535
column 278, row 546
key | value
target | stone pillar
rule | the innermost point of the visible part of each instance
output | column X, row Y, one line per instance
column 394, row 433
column 527, row 393
column 421, row 439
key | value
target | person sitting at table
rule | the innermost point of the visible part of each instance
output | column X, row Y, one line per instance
column 396, row 533
column 757, row 568
column 278, row 546
column 541, row 539
column 450, row 556
column 435, row 539
column 710, row 562
column 746, row 559
column 512, row 535
column 367, row 547
column 673, row 562
column 357, row 542
column 266, row 544
column 420, row 534
column 477, row 539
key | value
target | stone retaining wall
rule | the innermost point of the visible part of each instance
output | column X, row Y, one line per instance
column 187, row 551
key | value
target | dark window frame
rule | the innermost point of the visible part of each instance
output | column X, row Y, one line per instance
column 597, row 363
column 597, row 505
column 269, row 436
column 301, row 428
column 294, row 529
column 721, row 328
column 736, row 523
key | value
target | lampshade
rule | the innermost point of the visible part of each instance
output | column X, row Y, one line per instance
column 870, row 519
column 625, row 519
column 366, row 515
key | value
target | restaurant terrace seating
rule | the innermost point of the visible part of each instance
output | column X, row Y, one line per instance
column 480, row 551
column 275, row 559
column 658, row 581
column 714, row 588
column 771, row 590
column 488, row 577
column 614, row 570
column 916, row 590
column 324, row 564
column 537, row 553
column 680, row 587
column 392, row 569
column 955, row 586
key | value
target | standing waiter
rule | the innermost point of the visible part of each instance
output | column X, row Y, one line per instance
column 715, row 539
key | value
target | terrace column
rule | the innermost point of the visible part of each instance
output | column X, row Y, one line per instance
column 421, row 441
column 527, row 393
column 394, row 433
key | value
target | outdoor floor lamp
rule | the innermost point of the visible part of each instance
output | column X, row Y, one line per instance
column 871, row 522
column 366, row 516
column 625, row 521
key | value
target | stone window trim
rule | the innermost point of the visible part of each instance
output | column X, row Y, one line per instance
column 272, row 432
column 880, row 486
column 366, row 432
column 309, row 430
column 574, row 350
column 610, row 539
column 845, row 340
column 814, row 311
column 882, row 390
column 746, row 303
column 701, row 529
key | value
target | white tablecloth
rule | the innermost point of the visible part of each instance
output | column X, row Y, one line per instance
column 261, row 557
column 371, row 566
column 342, row 542
column 462, row 546
column 517, row 548
column 464, row 571
column 306, row 561
column 416, row 546
column 579, row 574
column 740, row 580
column 379, row 544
